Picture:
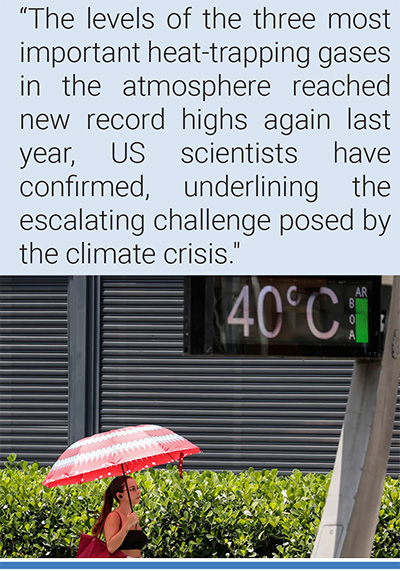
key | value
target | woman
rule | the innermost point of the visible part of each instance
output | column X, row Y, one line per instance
column 121, row 526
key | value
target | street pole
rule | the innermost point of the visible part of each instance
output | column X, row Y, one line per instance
column 350, row 516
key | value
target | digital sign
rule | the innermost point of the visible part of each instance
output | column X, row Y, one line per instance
column 283, row 316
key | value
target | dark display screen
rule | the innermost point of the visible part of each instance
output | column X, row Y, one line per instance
column 289, row 316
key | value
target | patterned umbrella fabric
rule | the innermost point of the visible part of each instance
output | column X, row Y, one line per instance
column 107, row 454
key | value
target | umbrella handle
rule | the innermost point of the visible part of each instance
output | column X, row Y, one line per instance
column 126, row 485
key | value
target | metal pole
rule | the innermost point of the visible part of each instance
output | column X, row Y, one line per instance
column 83, row 351
column 348, row 523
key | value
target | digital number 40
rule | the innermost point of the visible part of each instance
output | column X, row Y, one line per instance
column 293, row 297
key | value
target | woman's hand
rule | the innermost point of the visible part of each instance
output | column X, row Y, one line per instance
column 132, row 520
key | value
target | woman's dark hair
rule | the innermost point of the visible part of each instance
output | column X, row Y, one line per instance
column 117, row 486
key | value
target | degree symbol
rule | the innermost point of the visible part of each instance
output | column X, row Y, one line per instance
column 292, row 301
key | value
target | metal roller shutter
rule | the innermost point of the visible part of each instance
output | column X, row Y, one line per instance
column 33, row 367
column 263, row 413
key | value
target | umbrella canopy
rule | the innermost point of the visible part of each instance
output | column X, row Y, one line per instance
column 128, row 449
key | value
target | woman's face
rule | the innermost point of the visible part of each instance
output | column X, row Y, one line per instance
column 133, row 490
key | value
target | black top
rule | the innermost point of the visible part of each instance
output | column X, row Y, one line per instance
column 135, row 539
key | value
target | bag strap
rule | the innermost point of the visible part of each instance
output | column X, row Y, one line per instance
column 120, row 518
column 102, row 525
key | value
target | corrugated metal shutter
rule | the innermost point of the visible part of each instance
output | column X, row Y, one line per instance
column 33, row 367
column 263, row 413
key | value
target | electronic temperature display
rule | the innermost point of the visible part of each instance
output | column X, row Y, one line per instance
column 284, row 316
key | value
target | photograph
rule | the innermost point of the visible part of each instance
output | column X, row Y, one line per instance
column 220, row 414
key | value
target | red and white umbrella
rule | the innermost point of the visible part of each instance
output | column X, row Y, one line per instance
column 111, row 453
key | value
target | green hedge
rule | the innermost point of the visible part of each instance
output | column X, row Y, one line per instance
column 208, row 514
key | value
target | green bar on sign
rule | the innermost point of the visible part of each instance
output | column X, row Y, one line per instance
column 361, row 320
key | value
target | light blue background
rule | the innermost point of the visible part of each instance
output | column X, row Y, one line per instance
column 339, row 252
